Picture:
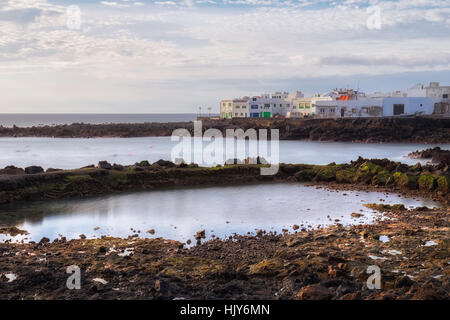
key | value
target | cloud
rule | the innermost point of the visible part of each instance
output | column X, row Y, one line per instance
column 147, row 50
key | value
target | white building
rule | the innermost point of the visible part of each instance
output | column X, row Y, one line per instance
column 349, row 108
column 306, row 107
column 390, row 106
column 434, row 90
column 409, row 106
column 236, row 108
column 278, row 104
column 226, row 109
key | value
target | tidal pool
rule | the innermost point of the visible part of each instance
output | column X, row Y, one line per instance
column 178, row 214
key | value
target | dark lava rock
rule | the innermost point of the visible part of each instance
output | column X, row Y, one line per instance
column 44, row 240
column 314, row 292
column 164, row 163
column 436, row 155
column 403, row 282
column 200, row 235
column 117, row 167
column 33, row 170
column 53, row 170
column 12, row 170
column 104, row 165
column 144, row 163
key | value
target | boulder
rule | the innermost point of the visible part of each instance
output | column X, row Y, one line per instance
column 12, row 170
column 314, row 292
column 33, row 170
column 403, row 282
column 200, row 235
column 117, row 167
column 44, row 240
column 164, row 163
column 143, row 163
column 104, row 165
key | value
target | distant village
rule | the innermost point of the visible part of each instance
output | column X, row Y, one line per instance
column 340, row 103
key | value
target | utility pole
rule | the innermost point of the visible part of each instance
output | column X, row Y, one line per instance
column 199, row 111
column 209, row 110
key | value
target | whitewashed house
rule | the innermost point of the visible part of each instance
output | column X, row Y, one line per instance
column 376, row 107
column 306, row 107
column 278, row 104
column 236, row 108
column 434, row 90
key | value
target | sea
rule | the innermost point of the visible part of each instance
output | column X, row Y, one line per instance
column 49, row 119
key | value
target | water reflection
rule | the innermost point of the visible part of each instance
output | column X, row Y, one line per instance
column 179, row 214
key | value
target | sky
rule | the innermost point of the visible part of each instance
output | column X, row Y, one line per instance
column 138, row 56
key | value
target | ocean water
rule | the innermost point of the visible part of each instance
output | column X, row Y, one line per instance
column 41, row 119
column 178, row 214
column 71, row 153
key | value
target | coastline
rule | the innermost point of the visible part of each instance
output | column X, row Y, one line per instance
column 386, row 129
column 430, row 180
column 319, row 264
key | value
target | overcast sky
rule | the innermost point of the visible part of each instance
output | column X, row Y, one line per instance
column 173, row 56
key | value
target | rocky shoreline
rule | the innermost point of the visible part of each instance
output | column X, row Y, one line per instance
column 16, row 185
column 387, row 129
column 411, row 248
column 436, row 155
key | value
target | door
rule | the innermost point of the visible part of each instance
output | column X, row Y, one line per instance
column 342, row 112
column 399, row 109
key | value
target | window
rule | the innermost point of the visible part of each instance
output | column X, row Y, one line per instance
column 445, row 96
column 237, row 107
column 244, row 107
column 322, row 110
column 236, row 114
column 398, row 109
